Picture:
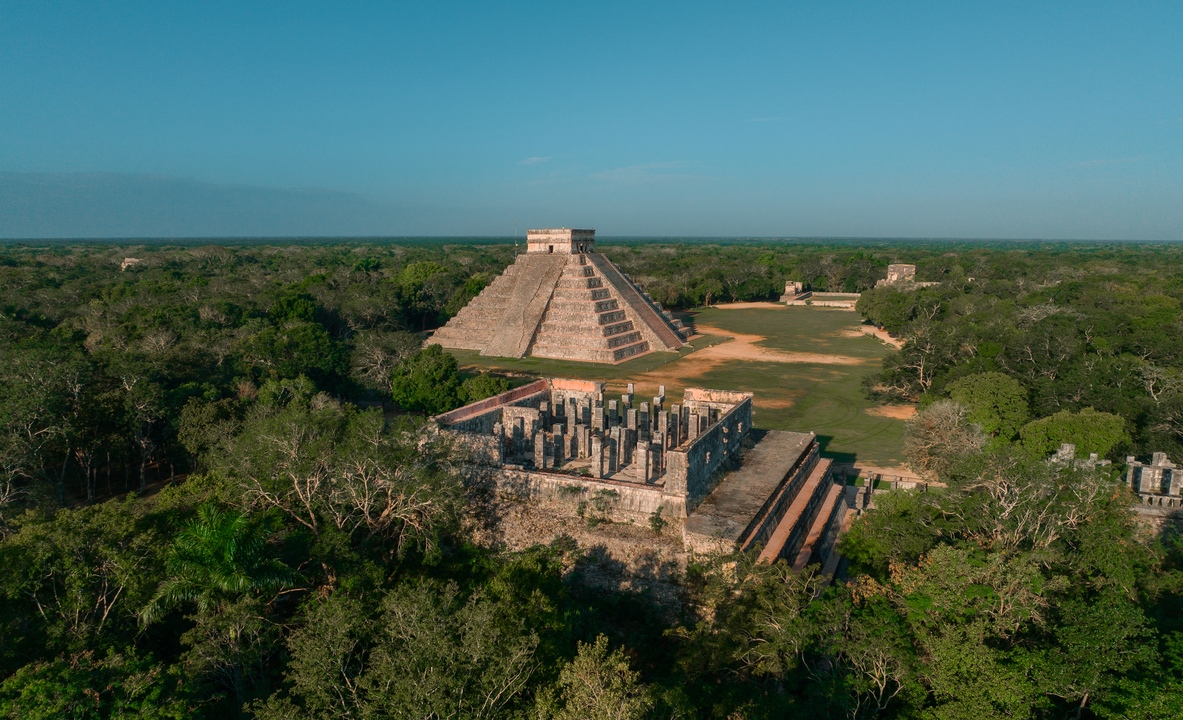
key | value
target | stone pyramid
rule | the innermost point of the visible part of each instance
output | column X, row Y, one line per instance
column 562, row 299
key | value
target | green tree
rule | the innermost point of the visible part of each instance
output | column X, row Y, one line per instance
column 85, row 687
column 996, row 402
column 299, row 348
column 479, row 387
column 428, row 382
column 597, row 685
column 218, row 557
column 1090, row 431
column 425, row 652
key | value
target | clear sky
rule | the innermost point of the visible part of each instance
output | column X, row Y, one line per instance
column 877, row 119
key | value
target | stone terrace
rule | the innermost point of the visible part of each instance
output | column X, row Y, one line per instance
column 697, row 463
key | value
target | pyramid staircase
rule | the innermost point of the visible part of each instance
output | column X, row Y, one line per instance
column 570, row 307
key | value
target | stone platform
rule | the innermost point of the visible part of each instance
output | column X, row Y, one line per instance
column 698, row 464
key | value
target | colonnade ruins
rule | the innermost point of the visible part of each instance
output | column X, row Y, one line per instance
column 697, row 463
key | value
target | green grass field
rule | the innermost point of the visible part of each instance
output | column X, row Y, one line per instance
column 824, row 398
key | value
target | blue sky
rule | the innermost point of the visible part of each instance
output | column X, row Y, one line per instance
column 1024, row 120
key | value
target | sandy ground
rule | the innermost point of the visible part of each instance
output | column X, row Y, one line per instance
column 740, row 347
column 744, row 347
column 882, row 335
column 895, row 412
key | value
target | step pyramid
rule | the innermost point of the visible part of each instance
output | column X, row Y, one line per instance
column 562, row 300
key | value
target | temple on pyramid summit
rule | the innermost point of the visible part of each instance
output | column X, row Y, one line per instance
column 562, row 299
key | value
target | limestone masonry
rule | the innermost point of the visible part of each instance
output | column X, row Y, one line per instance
column 697, row 463
column 562, row 299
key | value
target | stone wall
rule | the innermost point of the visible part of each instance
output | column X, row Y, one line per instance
column 691, row 468
column 480, row 417
column 560, row 241
column 624, row 500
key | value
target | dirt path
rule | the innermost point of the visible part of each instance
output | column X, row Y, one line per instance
column 744, row 347
column 895, row 412
column 741, row 347
column 882, row 335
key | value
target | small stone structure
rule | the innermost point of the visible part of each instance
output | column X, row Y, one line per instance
column 129, row 262
column 1157, row 484
column 562, row 299
column 794, row 290
column 1066, row 456
column 697, row 463
column 902, row 274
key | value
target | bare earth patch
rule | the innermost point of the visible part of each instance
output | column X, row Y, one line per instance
column 895, row 412
column 882, row 335
column 741, row 347
column 780, row 402
column 744, row 347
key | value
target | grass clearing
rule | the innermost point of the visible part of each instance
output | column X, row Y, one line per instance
column 802, row 396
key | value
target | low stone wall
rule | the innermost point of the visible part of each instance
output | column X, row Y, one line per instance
column 622, row 500
column 691, row 468
column 480, row 417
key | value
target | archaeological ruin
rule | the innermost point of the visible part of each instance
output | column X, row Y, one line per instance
column 902, row 274
column 1158, row 483
column 697, row 463
column 561, row 299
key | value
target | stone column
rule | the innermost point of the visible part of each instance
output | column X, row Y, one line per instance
column 597, row 418
column 663, row 424
column 657, row 455
column 677, row 427
column 560, row 445
column 499, row 434
column 543, row 414
column 584, row 441
column 597, row 457
column 519, row 434
column 618, row 455
column 613, row 451
column 539, row 450
column 613, row 420
column 641, row 463
column 693, row 427
column 643, row 422
column 632, row 419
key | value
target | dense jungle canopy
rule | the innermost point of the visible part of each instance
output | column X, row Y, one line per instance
column 319, row 559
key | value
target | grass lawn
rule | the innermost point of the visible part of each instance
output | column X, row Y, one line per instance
column 823, row 398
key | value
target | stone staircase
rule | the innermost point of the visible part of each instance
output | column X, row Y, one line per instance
column 586, row 320
column 657, row 325
column 562, row 306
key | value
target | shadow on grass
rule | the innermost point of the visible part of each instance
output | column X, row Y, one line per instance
column 839, row 457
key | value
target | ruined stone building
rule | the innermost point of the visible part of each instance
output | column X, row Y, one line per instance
column 902, row 274
column 1158, row 483
column 562, row 299
column 697, row 463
